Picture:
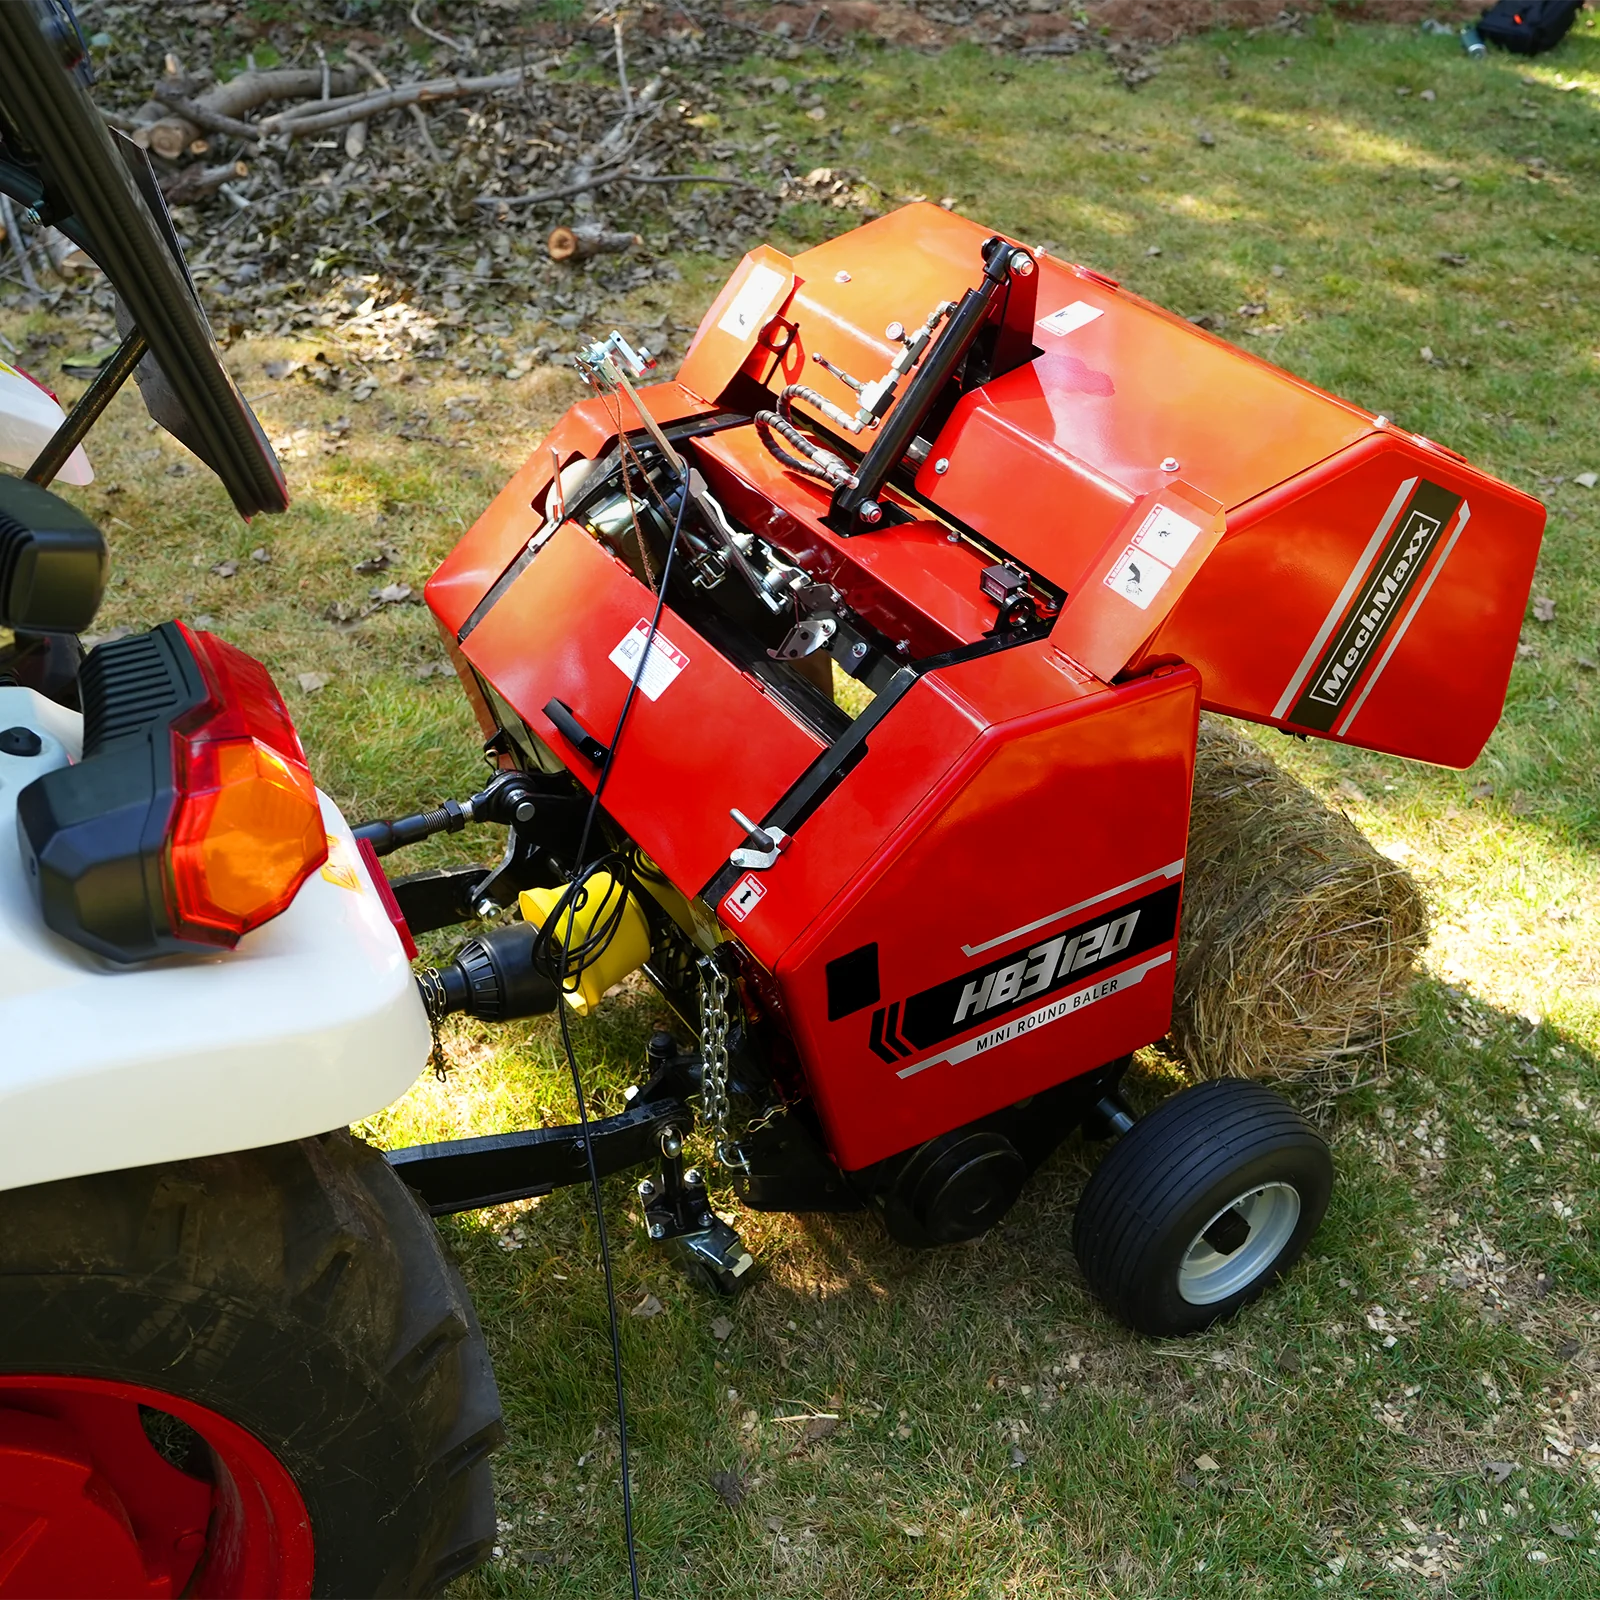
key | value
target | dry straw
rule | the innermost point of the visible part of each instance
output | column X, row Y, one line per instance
column 1299, row 940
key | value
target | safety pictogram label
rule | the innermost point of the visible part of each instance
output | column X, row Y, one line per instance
column 744, row 897
column 662, row 664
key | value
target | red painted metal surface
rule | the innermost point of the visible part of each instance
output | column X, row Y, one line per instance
column 1070, row 795
column 88, row 1507
column 713, row 740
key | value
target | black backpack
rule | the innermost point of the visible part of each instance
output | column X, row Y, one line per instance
column 1528, row 26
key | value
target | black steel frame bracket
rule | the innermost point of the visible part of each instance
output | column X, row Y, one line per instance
column 466, row 1174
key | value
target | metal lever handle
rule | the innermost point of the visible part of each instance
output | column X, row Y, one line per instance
column 574, row 732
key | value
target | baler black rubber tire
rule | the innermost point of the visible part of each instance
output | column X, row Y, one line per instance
column 302, row 1292
column 1169, row 1175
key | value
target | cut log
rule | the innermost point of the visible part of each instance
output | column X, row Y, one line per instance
column 223, row 105
column 195, row 183
column 66, row 258
column 584, row 239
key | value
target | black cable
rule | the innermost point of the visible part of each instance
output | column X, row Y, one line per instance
column 570, row 901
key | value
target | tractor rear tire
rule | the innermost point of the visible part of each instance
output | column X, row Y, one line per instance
column 1200, row 1206
column 274, row 1346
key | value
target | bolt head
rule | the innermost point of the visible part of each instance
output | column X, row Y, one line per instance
column 942, row 465
column 859, row 649
column 1171, row 464
column 485, row 908
column 692, row 1178
column 658, row 1230
column 524, row 811
column 646, row 1188
column 841, row 276
column 1021, row 264
column 895, row 331
column 870, row 512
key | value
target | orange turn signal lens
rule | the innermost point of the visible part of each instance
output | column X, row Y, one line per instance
column 248, row 830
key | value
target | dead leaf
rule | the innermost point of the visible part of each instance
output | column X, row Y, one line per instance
column 1207, row 139
column 1544, row 608
column 392, row 594
column 1587, row 480
column 310, row 682
column 730, row 1488
column 1588, row 665
column 1426, row 353
column 1499, row 1470
column 1019, row 1457
column 1453, row 258
column 385, row 556
column 261, row 554
column 912, row 1531
column 225, row 569
column 1483, row 791
column 721, row 1327
column 1206, row 1464
column 1253, row 308
column 282, row 369
column 1428, row 94
column 1154, row 250
column 649, row 1306
column 815, row 1431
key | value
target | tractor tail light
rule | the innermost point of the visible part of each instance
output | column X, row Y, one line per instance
column 248, row 828
column 191, row 818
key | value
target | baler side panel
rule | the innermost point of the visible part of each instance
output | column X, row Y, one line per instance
column 706, row 740
column 908, row 754
column 1391, row 582
column 1069, row 815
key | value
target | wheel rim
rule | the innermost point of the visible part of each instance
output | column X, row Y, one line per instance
column 114, row 1489
column 1239, row 1244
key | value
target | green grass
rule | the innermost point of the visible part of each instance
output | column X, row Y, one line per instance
column 998, row 1435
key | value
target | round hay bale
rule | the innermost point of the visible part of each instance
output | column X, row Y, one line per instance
column 1299, row 941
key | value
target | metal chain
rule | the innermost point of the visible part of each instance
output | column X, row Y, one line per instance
column 714, row 1058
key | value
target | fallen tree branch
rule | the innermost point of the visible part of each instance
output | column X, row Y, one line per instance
column 567, row 191
column 396, row 99
column 172, row 135
column 203, row 117
column 195, row 183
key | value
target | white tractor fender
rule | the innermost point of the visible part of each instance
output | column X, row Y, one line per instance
column 311, row 1023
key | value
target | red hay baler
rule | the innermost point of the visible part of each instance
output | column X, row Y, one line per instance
column 849, row 684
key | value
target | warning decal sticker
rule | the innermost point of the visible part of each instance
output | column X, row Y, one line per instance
column 742, row 318
column 1138, row 577
column 1166, row 536
column 1140, row 573
column 663, row 664
column 744, row 897
column 1069, row 318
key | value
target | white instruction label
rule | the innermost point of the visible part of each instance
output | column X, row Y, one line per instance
column 1137, row 576
column 744, row 897
column 1166, row 535
column 745, row 310
column 1070, row 317
column 663, row 663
